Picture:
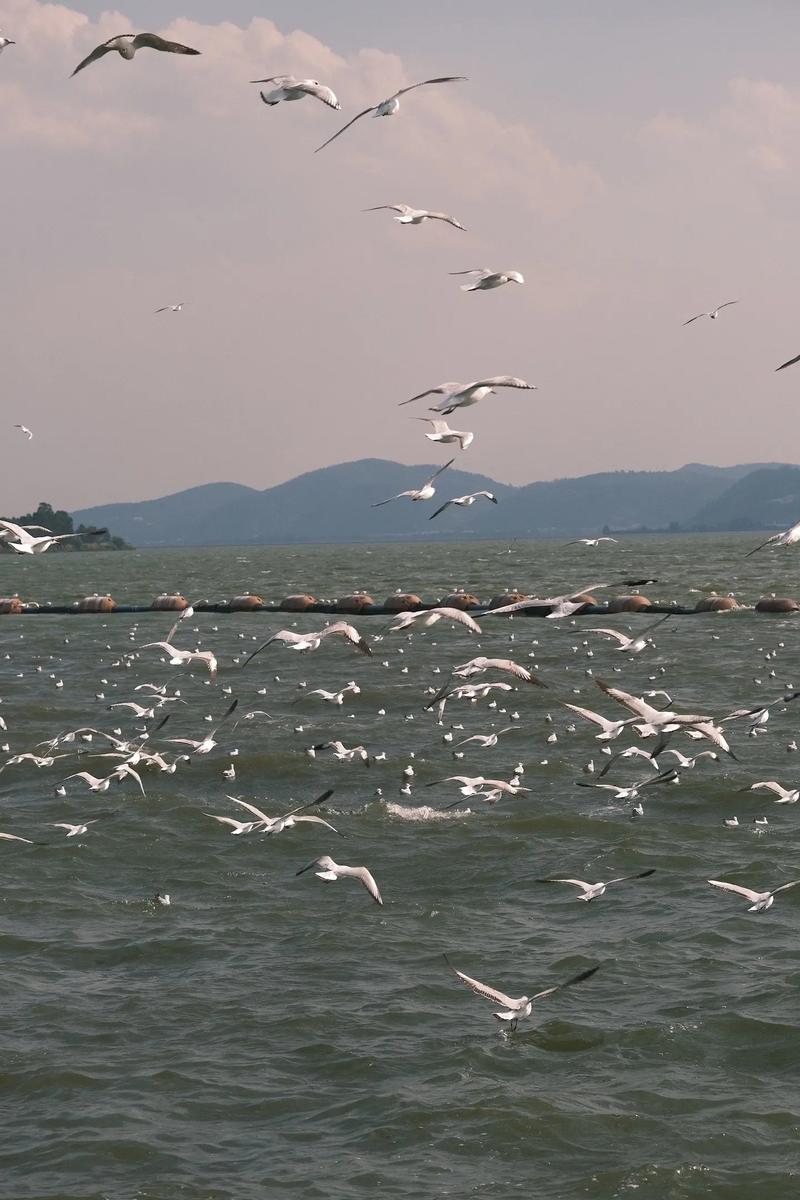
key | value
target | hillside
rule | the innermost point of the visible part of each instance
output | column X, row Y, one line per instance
column 765, row 498
column 334, row 504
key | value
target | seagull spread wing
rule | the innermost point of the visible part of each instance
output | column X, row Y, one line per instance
column 505, row 381
column 437, row 473
column 151, row 41
column 98, row 52
column 789, row 362
column 320, row 92
column 425, row 82
column 748, row 893
column 444, row 389
column 482, row 989
column 339, row 132
column 567, row 983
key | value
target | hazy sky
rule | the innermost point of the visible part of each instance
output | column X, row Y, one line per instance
column 638, row 161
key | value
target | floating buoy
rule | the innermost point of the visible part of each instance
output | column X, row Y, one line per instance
column 169, row 602
column 715, row 604
column 95, row 603
column 462, row 600
column 355, row 603
column 628, row 604
column 299, row 603
column 11, row 604
column 402, row 602
column 777, row 604
column 507, row 598
column 586, row 599
column 245, row 603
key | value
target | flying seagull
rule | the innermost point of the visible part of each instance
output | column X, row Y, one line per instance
column 332, row 871
column 415, row 216
column 486, row 279
column 515, row 1010
column 590, row 891
column 787, row 538
column 713, row 315
column 126, row 45
column 464, row 501
column 592, row 541
column 4, row 41
column 171, row 307
column 431, row 615
column 26, row 544
column 424, row 493
column 24, row 429
column 462, row 395
column 388, row 107
column 289, row 88
column 314, row 639
column 444, row 434
column 760, row 901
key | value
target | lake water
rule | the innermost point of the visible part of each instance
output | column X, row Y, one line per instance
column 273, row 1036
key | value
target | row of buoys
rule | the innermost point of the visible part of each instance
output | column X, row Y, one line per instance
column 362, row 602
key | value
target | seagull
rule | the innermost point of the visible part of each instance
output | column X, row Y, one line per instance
column 785, row 795
column 464, row 501
column 126, row 45
column 444, row 434
column 557, row 606
column 388, row 107
column 12, row 837
column 424, row 493
column 477, row 666
column 341, row 751
column 207, row 744
column 689, row 763
column 103, row 784
column 487, row 279
column 472, row 784
column 171, row 307
column 24, row 429
column 760, row 901
column 591, row 541
column 313, row 641
column 180, row 658
column 73, row 830
column 415, row 216
column 462, row 395
column 787, row 538
column 790, row 362
column 237, row 827
column 26, row 544
column 486, row 740
column 162, row 898
column 713, row 315
column 289, row 88
column 4, row 41
column 635, row 644
column 515, row 1010
column 632, row 792
column 590, row 891
column 271, row 825
column 332, row 871
column 431, row 615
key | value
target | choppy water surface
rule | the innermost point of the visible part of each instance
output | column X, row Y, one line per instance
column 268, row 1035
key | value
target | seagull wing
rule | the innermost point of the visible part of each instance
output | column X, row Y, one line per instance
column 567, row 983
column 461, row 618
column 440, row 216
column 320, row 93
column 326, row 795
column 151, row 41
column 769, row 787
column 350, row 632
column 622, row 638
column 785, row 887
column 580, row 883
column 444, row 389
column 262, row 816
column 483, row 271
column 436, row 474
column 401, row 208
column 748, row 893
column 276, row 637
column 441, row 509
column 789, row 362
column 626, row 878
column 339, row 132
column 320, row 821
column 98, row 52
column 482, row 989
column 364, row 876
column 697, row 318
column 425, row 82
column 775, row 536
column 633, row 704
column 389, row 499
column 727, row 304
column 505, row 381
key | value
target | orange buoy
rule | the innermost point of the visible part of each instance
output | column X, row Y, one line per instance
column 715, row 604
column 11, row 604
column 507, row 598
column 299, row 603
column 169, row 602
column 246, row 603
column 620, row 604
column 96, row 603
column 462, row 600
column 355, row 603
column 402, row 602
column 777, row 604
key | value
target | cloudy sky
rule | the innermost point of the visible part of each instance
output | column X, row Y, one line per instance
column 638, row 161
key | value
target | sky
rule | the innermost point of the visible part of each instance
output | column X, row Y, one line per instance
column 638, row 162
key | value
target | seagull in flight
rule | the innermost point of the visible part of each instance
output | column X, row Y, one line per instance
column 415, row 216
column 4, row 41
column 462, row 395
column 486, row 279
column 331, row 871
column 477, row 666
column 444, row 434
column 388, row 107
column 289, row 88
column 431, row 615
column 180, row 658
column 73, row 830
column 313, row 640
column 464, row 501
column 126, row 45
column 171, row 307
column 760, row 901
column 26, row 544
column 591, row 541
column 514, row 1010
column 787, row 538
column 633, row 644
column 24, row 429
column 785, row 795
column 423, row 493
column 712, row 315
column 590, row 891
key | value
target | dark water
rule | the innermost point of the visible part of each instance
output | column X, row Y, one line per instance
column 274, row 1036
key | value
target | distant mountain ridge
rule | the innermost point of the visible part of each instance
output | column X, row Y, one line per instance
column 334, row 504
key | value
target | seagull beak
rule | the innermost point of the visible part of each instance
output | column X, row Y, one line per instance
column 303, row 870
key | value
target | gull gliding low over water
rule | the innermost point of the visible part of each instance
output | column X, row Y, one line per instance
column 313, row 640
column 488, row 279
column 462, row 395
column 331, row 871
column 126, row 45
column 388, row 107
column 423, row 493
column 787, row 538
column 590, row 891
column 415, row 216
column 760, row 901
column 515, row 1010
column 289, row 88
column 431, row 615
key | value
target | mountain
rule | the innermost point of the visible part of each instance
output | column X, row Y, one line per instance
column 335, row 504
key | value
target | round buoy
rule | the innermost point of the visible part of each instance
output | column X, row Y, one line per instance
column 777, row 604
column 298, row 603
column 507, row 598
column 628, row 604
column 715, row 604
column 96, row 604
column 462, row 600
column 169, row 602
column 246, row 603
column 402, row 602
column 355, row 603
column 11, row 604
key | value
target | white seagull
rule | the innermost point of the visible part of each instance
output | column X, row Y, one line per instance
column 591, row 541
column 73, row 830
column 181, row 658
column 462, row 395
column 332, row 871
column 341, row 751
column 444, row 434
column 477, row 666
column 423, row 493
column 24, row 429
column 464, row 501
column 12, row 837
column 331, row 697
column 4, row 41
column 714, row 314
column 631, row 644
column 126, row 45
column 590, row 891
column 207, row 744
column 289, row 88
column 272, row 825
column 171, row 307
column 760, row 901
column 26, row 544
column 787, row 538
column 415, row 216
column 431, row 615
column 785, row 795
column 514, row 1010
column 486, row 279
column 388, row 107
column 313, row 640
